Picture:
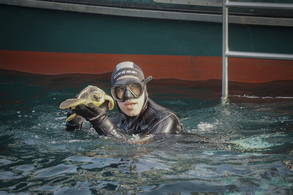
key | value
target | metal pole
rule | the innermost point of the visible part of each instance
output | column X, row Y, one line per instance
column 224, row 50
column 257, row 5
column 240, row 54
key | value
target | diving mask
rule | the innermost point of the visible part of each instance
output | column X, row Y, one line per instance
column 125, row 89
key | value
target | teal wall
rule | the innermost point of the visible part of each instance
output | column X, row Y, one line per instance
column 31, row 29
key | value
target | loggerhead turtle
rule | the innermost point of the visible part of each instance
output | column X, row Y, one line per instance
column 90, row 94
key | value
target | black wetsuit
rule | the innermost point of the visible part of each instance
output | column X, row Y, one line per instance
column 153, row 122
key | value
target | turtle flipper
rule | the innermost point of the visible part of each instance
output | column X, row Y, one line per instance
column 71, row 117
column 111, row 102
column 71, row 103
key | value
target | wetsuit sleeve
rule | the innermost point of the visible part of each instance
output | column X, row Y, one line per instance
column 73, row 127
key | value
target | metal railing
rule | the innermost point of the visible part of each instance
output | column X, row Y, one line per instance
column 226, row 53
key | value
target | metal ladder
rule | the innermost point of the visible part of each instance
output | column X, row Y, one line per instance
column 226, row 53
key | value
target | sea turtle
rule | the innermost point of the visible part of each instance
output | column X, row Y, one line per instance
column 90, row 94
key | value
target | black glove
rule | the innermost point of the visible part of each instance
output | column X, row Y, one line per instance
column 97, row 116
column 75, row 123
column 91, row 112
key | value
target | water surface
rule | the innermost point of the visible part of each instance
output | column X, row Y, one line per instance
column 239, row 148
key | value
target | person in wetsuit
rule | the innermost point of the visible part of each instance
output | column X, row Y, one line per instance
column 139, row 118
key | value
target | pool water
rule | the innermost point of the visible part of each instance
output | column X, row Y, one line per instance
column 243, row 147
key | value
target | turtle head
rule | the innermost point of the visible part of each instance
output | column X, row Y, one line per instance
column 97, row 96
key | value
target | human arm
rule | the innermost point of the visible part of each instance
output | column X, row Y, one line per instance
column 99, row 120
column 148, row 127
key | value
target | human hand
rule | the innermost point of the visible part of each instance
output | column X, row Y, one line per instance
column 76, row 120
column 91, row 112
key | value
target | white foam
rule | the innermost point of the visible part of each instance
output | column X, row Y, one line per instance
column 204, row 126
column 258, row 142
column 260, row 97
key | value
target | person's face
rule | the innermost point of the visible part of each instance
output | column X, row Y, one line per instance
column 131, row 107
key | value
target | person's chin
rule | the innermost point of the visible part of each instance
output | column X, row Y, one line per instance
column 131, row 110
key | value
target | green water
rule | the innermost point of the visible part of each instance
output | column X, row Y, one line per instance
column 239, row 148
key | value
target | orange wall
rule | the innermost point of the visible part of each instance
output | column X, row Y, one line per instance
column 159, row 66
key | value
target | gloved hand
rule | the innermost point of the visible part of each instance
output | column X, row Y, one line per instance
column 97, row 116
column 75, row 123
column 91, row 112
